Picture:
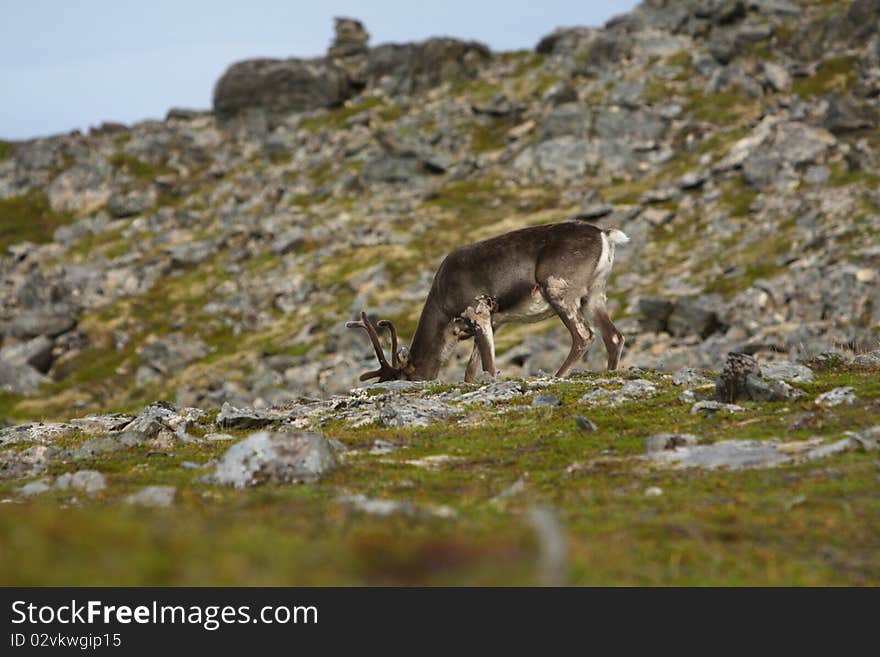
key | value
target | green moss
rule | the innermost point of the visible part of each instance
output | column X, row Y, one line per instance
column 8, row 403
column 476, row 91
column 337, row 119
column 724, row 108
column 391, row 113
column 786, row 525
column 29, row 218
column 728, row 286
column 721, row 140
column 490, row 134
column 738, row 197
column 6, row 150
column 137, row 167
column 545, row 81
column 656, row 90
column 835, row 75
column 109, row 243
column 842, row 176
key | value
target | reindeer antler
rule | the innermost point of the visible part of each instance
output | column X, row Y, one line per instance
column 385, row 372
column 387, row 323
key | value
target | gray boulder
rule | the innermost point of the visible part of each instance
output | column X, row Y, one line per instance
column 86, row 481
column 172, row 353
column 231, row 417
column 50, row 321
column 655, row 312
column 786, row 371
column 131, row 204
column 758, row 389
column 155, row 497
column 733, row 454
column 412, row 67
column 567, row 119
column 280, row 86
column 274, row 457
column 22, row 366
column 694, row 316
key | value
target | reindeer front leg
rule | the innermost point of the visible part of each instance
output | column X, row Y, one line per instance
column 479, row 317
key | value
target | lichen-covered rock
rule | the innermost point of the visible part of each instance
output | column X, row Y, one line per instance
column 154, row 497
column 787, row 371
column 274, row 457
column 758, row 389
column 33, row 489
column 731, row 454
column 90, row 482
column 836, row 397
column 709, row 407
column 688, row 376
column 231, row 417
column 35, row 432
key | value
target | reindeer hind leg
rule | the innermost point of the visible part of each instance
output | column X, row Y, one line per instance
column 611, row 336
column 569, row 311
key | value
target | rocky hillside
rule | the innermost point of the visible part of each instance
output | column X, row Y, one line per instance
column 214, row 256
column 211, row 260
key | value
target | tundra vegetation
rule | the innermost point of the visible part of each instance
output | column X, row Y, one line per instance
column 212, row 259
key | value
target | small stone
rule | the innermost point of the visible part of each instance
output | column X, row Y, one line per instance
column 381, row 447
column 687, row 397
column 657, row 216
column 709, row 407
column 836, row 397
column 545, row 400
column 692, row 180
column 154, row 497
column 584, row 424
column 777, row 76
column 219, row 436
column 653, row 491
column 33, row 488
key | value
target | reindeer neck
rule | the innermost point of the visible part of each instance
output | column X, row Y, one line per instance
column 430, row 343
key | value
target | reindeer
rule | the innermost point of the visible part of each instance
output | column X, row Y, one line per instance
column 522, row 276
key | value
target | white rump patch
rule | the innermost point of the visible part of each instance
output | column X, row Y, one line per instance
column 617, row 236
column 606, row 258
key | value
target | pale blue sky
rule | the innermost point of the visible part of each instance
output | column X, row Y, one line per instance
column 67, row 64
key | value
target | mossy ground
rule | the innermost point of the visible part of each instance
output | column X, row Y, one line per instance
column 28, row 218
column 811, row 524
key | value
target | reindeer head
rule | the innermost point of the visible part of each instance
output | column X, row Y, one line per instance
column 386, row 372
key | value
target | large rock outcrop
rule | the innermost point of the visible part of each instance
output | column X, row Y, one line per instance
column 297, row 85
